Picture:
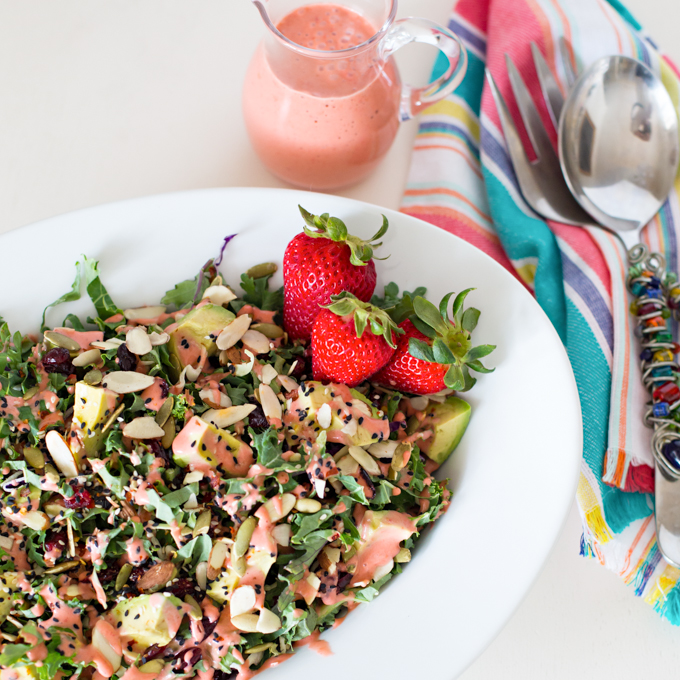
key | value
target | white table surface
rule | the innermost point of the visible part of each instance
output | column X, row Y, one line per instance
column 101, row 101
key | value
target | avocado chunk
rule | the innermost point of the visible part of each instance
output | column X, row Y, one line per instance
column 448, row 422
column 197, row 330
column 92, row 407
column 8, row 580
column 382, row 532
column 148, row 619
column 353, row 419
column 202, row 446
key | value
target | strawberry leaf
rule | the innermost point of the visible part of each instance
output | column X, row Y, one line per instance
column 360, row 321
column 428, row 313
column 469, row 380
column 458, row 306
column 469, row 319
column 477, row 366
column 444, row 306
column 442, row 354
column 426, row 330
column 420, row 350
column 479, row 352
column 454, row 378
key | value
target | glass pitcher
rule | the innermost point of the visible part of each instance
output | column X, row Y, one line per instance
column 322, row 99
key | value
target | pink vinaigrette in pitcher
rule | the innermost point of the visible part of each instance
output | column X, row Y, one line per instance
column 322, row 121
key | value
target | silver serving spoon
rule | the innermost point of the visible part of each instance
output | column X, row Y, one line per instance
column 618, row 144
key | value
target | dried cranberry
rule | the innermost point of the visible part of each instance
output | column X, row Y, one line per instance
column 165, row 389
column 188, row 659
column 302, row 368
column 214, row 361
column 151, row 653
column 158, row 451
column 108, row 575
column 223, row 675
column 56, row 540
column 257, row 419
column 181, row 588
column 126, row 359
column 333, row 447
column 135, row 575
column 81, row 499
column 343, row 581
column 58, row 360
column 208, row 626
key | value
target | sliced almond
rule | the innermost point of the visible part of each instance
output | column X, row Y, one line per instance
column 106, row 345
column 6, row 543
column 243, row 536
column 359, row 405
column 246, row 622
column 307, row 505
column 217, row 555
column 384, row 449
column 419, row 403
column 208, row 396
column 61, row 454
column 242, row 601
column 145, row 427
column 246, row 367
column 234, row 331
column 91, row 356
column 34, row 519
column 365, row 460
column 150, row 312
column 320, row 487
column 192, row 477
column 157, row 576
column 228, row 416
column 268, row 374
column 324, row 416
column 157, row 339
column 219, row 295
column 202, row 575
column 192, row 503
column 267, row 623
column 289, row 384
column 256, row 341
column 347, row 465
column 278, row 507
column 137, row 341
column 281, row 533
column 270, row 403
column 383, row 570
column 127, row 382
column 60, row 340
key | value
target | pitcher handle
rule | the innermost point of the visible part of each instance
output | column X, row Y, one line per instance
column 405, row 31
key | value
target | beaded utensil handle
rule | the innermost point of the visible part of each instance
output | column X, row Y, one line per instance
column 656, row 294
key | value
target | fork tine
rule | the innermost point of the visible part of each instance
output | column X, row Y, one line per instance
column 565, row 52
column 552, row 94
column 527, row 109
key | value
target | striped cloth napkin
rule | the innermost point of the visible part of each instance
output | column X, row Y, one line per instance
column 461, row 180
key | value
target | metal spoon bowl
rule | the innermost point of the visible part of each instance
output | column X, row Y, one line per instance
column 618, row 144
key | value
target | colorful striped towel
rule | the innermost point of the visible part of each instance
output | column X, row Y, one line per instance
column 461, row 179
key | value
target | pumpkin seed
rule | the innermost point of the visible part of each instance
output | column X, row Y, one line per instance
column 144, row 427
column 419, row 403
column 217, row 555
column 93, row 377
column 267, row 623
column 150, row 312
column 270, row 330
column 112, row 418
column 59, row 340
column 169, row 433
column 285, row 503
column 348, row 465
column 202, row 575
column 260, row 648
column 64, row 566
column 61, row 454
column 165, row 410
column 123, row 575
column 261, row 270
column 155, row 666
column 137, row 341
column 307, row 505
column 243, row 536
column 365, row 460
column 29, row 394
column 127, row 382
column 400, row 459
column 195, row 612
column 242, row 601
column 92, row 356
column 270, row 403
column 256, row 341
column 239, row 567
column 225, row 417
column 34, row 457
column 233, row 332
column 219, row 295
column 202, row 523
column 246, row 622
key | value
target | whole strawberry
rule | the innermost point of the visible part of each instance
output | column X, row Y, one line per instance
column 323, row 261
column 435, row 353
column 351, row 340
